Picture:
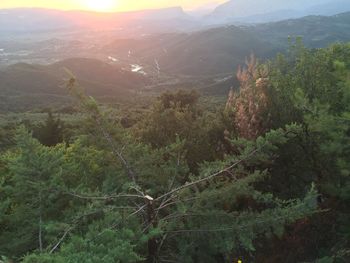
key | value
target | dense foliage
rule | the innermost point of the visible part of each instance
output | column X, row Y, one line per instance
column 264, row 179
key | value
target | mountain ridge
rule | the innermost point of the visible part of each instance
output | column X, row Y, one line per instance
column 94, row 75
column 36, row 19
column 260, row 11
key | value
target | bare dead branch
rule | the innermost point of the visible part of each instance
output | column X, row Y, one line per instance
column 87, row 197
column 176, row 202
column 61, row 239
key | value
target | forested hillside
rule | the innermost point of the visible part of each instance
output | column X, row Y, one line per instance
column 26, row 86
column 262, row 177
column 316, row 31
column 222, row 49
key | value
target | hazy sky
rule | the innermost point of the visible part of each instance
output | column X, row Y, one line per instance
column 105, row 5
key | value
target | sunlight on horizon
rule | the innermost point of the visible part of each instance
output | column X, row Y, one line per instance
column 106, row 5
column 102, row 5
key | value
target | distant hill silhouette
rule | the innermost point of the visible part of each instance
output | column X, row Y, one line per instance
column 212, row 51
column 259, row 11
column 316, row 31
column 36, row 20
column 22, row 82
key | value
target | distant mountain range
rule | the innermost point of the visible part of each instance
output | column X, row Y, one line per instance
column 316, row 31
column 115, row 66
column 244, row 8
column 29, row 20
column 222, row 49
column 174, row 19
column 259, row 11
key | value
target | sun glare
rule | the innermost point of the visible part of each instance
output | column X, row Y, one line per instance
column 101, row 5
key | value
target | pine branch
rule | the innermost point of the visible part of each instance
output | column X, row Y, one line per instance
column 208, row 178
column 83, row 99
column 118, row 153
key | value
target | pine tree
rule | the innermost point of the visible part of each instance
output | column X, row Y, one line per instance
column 51, row 132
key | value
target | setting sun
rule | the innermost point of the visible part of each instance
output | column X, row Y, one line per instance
column 105, row 5
column 101, row 5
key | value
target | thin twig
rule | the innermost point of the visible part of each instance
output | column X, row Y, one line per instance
column 175, row 202
column 61, row 239
column 115, row 150
column 104, row 197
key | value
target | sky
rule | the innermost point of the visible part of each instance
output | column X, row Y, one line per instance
column 105, row 5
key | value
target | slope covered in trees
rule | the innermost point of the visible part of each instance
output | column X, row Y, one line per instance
column 24, row 85
column 222, row 49
column 264, row 178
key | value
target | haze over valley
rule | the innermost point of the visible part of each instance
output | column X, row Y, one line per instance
column 161, row 45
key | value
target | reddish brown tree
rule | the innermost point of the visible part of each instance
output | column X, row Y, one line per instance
column 250, row 106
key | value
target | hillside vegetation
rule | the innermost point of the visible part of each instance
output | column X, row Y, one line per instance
column 261, row 178
column 25, row 86
column 222, row 49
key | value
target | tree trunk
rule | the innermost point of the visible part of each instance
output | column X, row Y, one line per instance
column 152, row 242
column 40, row 226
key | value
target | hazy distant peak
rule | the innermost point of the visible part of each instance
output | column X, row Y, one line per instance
column 203, row 9
column 38, row 19
column 260, row 11
column 240, row 8
column 163, row 13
